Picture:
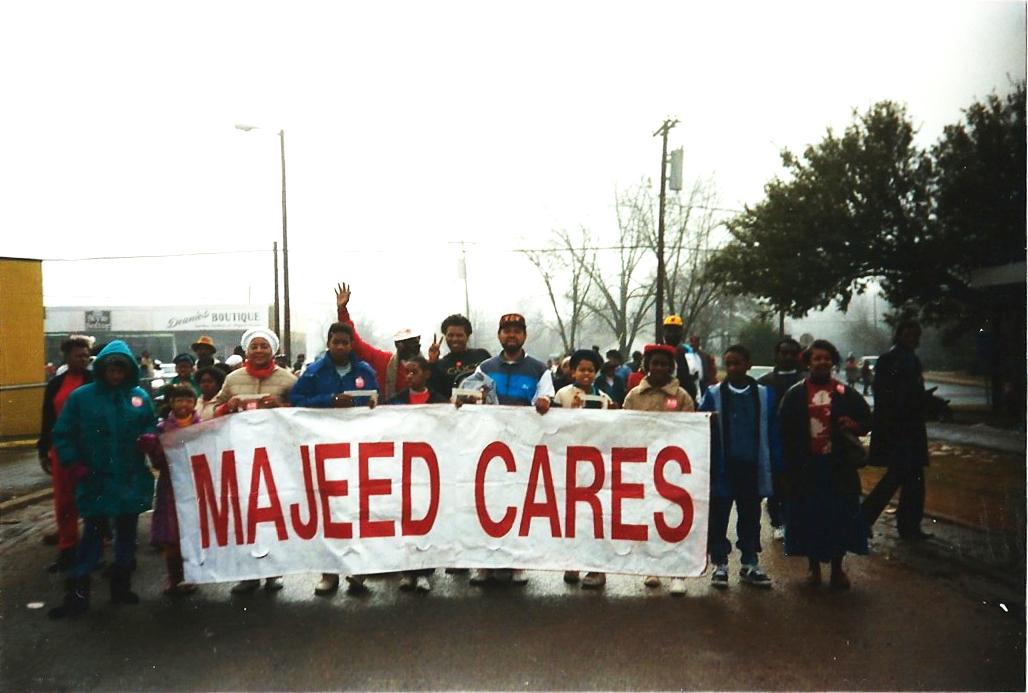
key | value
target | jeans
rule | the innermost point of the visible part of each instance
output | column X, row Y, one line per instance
column 747, row 529
column 92, row 542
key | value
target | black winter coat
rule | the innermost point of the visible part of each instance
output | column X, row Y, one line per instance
column 794, row 419
column 49, row 413
column 898, row 436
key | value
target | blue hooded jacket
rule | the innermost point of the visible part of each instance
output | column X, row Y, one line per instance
column 321, row 382
column 98, row 427
column 769, row 447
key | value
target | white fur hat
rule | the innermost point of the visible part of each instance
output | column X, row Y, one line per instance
column 263, row 332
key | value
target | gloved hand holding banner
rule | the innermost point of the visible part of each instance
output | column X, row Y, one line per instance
column 280, row 491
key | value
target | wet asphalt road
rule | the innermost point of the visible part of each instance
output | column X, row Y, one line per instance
column 905, row 625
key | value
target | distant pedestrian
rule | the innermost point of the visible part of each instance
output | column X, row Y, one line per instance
column 562, row 378
column 76, row 358
column 852, row 370
column 899, row 439
column 184, row 375
column 787, row 372
column 659, row 391
column 95, row 437
column 623, row 371
column 820, row 420
column 707, row 374
column 866, row 375
column 298, row 363
column 745, row 449
column 164, row 530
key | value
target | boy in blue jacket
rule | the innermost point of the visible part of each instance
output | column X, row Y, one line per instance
column 324, row 384
column 745, row 449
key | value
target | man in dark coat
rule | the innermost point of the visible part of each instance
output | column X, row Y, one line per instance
column 899, row 440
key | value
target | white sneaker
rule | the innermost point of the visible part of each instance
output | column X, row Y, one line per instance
column 677, row 586
column 422, row 584
column 328, row 584
column 480, row 576
column 778, row 533
column 519, row 577
column 652, row 581
column 407, row 582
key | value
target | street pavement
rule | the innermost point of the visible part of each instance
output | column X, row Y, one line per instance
column 911, row 621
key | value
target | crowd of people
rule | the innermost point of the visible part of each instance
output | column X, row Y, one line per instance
column 792, row 438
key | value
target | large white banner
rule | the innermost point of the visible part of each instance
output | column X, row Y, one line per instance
column 273, row 492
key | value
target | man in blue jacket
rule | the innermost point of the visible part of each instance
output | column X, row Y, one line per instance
column 325, row 384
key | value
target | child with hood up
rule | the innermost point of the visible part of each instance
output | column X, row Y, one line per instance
column 95, row 436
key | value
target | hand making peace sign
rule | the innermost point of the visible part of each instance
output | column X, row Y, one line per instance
column 433, row 351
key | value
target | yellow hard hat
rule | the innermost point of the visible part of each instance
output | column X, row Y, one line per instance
column 672, row 320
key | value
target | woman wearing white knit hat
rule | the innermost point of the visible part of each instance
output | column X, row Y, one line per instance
column 259, row 384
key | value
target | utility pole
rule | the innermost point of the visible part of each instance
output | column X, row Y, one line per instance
column 287, row 331
column 274, row 318
column 464, row 276
column 659, row 326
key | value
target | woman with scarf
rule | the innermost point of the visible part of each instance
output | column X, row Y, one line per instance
column 820, row 419
column 259, row 384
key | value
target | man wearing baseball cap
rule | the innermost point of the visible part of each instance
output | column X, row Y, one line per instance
column 389, row 370
column 520, row 380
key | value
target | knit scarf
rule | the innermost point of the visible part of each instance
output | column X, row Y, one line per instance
column 260, row 373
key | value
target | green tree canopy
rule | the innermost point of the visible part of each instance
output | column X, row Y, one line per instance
column 870, row 204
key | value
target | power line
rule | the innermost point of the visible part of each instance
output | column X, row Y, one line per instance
column 370, row 251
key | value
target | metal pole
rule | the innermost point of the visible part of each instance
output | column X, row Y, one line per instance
column 659, row 321
column 274, row 318
column 287, row 331
column 467, row 303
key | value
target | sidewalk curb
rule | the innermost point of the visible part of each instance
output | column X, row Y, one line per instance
column 26, row 500
column 23, row 444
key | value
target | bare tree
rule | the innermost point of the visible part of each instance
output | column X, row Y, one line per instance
column 562, row 262
column 621, row 301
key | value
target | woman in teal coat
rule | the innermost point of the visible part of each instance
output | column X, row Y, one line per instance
column 96, row 436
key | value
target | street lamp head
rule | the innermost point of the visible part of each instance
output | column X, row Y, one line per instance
column 246, row 128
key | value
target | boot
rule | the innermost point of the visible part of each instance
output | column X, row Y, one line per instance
column 65, row 560
column 121, row 585
column 76, row 599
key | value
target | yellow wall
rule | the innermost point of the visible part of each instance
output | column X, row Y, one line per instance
column 21, row 346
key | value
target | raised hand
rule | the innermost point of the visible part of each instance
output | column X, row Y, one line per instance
column 342, row 294
column 433, row 351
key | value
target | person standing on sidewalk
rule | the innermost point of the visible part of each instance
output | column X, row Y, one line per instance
column 787, row 372
column 899, row 440
column 95, row 438
column 76, row 357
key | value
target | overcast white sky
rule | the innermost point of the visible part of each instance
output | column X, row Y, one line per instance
column 412, row 125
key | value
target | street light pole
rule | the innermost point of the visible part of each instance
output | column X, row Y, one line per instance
column 287, row 336
column 274, row 318
column 659, row 322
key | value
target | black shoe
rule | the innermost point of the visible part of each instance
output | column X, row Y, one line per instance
column 121, row 586
column 76, row 599
column 916, row 536
column 65, row 560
